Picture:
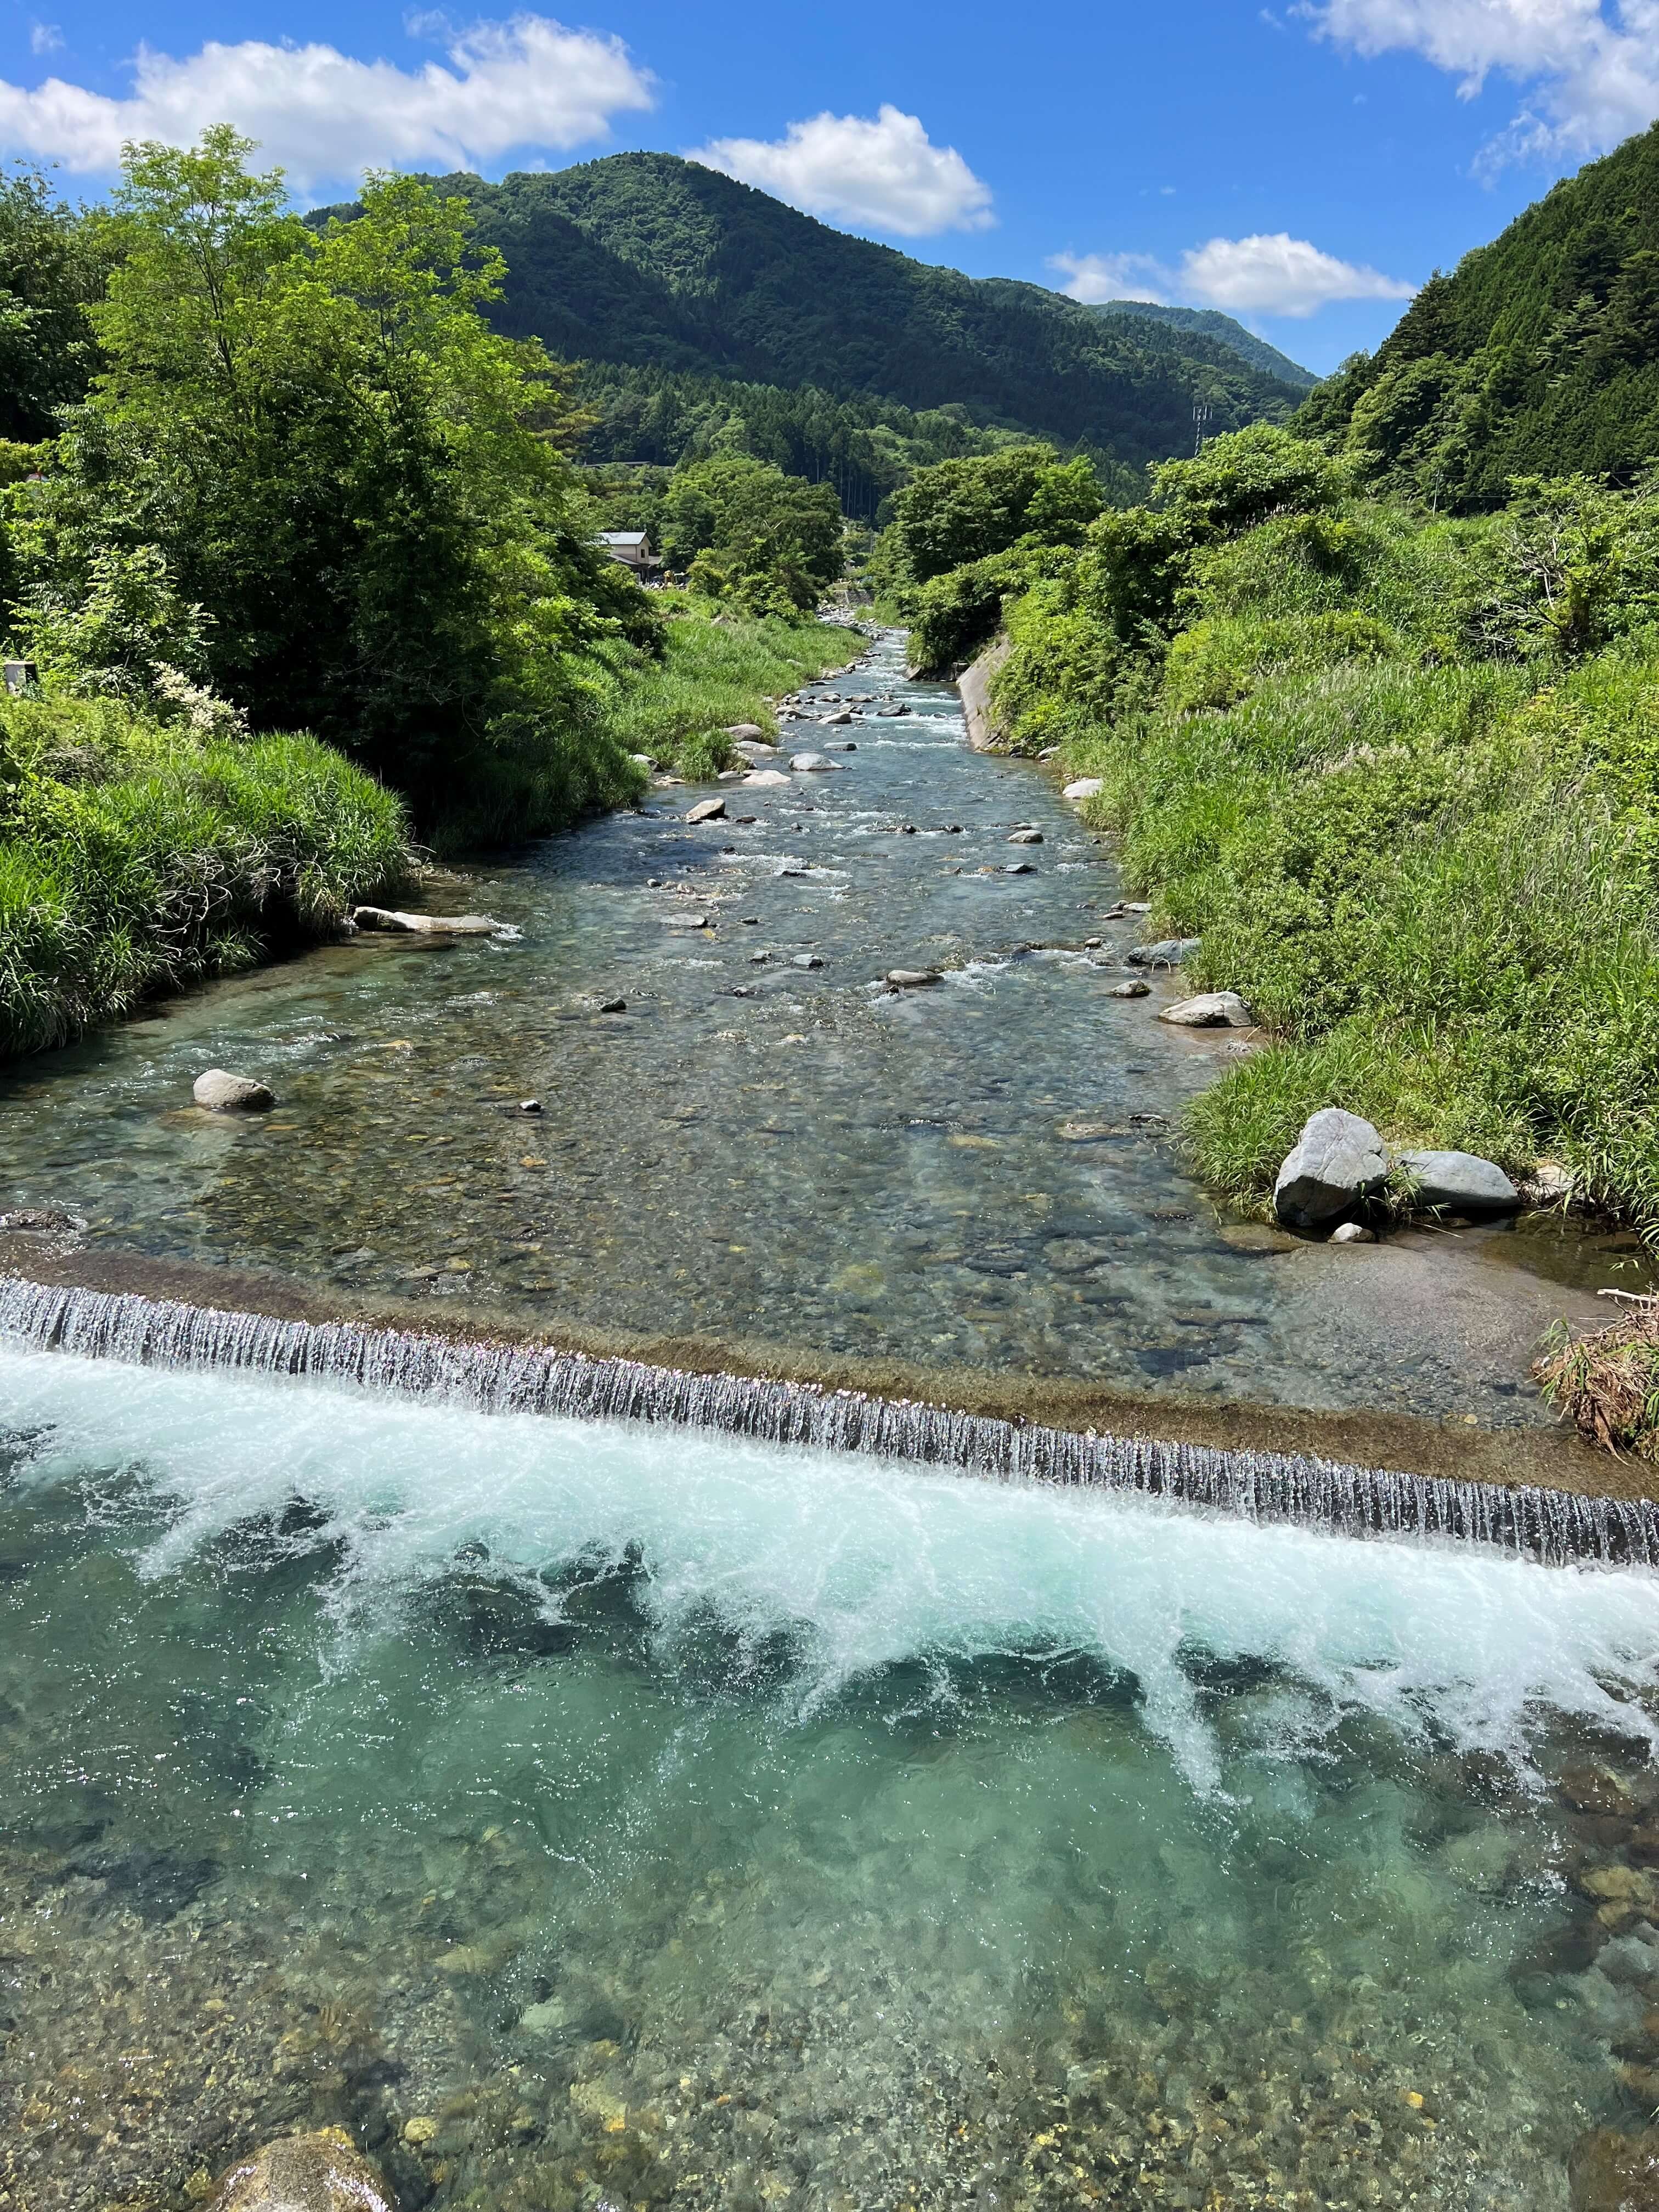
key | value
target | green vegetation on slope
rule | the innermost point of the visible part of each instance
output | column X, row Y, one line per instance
column 138, row 856
column 866, row 448
column 1537, row 356
column 651, row 261
column 716, row 669
column 1401, row 775
column 1210, row 322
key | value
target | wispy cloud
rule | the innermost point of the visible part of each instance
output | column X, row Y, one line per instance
column 524, row 82
column 1267, row 274
column 884, row 173
column 1589, row 72
column 45, row 38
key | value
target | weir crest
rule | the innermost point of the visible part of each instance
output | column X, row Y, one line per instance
column 1555, row 1527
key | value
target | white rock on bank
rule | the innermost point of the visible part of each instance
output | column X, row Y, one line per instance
column 426, row 925
column 1087, row 787
column 1210, row 1010
column 1338, row 1159
column 223, row 1093
column 762, row 779
column 1353, row 1232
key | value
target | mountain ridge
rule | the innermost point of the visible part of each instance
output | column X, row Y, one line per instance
column 650, row 261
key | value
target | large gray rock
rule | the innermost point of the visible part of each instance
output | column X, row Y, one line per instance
column 1462, row 1183
column 1087, row 787
column 319, row 2173
column 765, row 778
column 1338, row 1159
column 707, row 810
column 742, row 733
column 1167, row 952
column 813, row 764
column 221, row 1093
column 1210, row 1010
column 426, row 925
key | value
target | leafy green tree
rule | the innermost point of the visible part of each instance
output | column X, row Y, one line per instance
column 968, row 510
column 743, row 529
column 355, row 478
column 50, row 269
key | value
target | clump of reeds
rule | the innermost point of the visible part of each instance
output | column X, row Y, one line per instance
column 1606, row 1384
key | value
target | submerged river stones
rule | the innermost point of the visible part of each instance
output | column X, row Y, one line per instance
column 321, row 2172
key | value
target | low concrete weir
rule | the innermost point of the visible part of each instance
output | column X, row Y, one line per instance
column 1555, row 1527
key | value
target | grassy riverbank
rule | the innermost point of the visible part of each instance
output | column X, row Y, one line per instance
column 1402, row 775
column 135, row 859
column 717, row 668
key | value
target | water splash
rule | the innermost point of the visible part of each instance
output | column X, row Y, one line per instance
column 1557, row 1528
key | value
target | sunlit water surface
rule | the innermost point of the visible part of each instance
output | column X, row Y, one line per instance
column 979, row 1175
column 588, row 1815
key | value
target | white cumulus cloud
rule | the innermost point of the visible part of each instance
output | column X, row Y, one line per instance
column 1095, row 278
column 881, row 175
column 1588, row 70
column 526, row 82
column 1275, row 274
column 1268, row 274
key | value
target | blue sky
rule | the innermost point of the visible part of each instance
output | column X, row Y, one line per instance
column 1301, row 167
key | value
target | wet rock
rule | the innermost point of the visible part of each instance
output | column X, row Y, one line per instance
column 745, row 733
column 426, row 925
column 1611, row 2171
column 530, row 1105
column 1026, row 837
column 1087, row 787
column 1338, row 1159
column 1258, row 1238
column 752, row 750
column 841, row 745
column 913, row 979
column 839, row 721
column 1134, row 988
column 807, row 960
column 1353, row 1232
column 1595, row 1790
column 613, row 1005
column 223, row 1093
column 815, row 764
column 707, row 810
column 319, row 2173
column 40, row 1220
column 1210, row 1010
column 685, row 921
column 1167, row 952
column 1461, row 1181
column 763, row 779
column 758, row 959
column 1019, row 868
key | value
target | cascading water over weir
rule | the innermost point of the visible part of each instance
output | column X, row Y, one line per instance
column 1556, row 1527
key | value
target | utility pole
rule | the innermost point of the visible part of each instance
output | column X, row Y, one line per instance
column 1200, row 422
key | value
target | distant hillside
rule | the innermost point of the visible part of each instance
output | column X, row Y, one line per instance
column 1210, row 322
column 1537, row 356
column 651, row 262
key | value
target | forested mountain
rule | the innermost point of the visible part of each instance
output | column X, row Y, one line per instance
column 1538, row 356
column 652, row 262
column 1210, row 322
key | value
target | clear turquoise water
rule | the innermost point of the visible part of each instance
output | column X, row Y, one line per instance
column 976, row 1176
column 591, row 1816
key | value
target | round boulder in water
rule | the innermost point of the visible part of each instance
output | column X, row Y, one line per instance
column 321, row 2172
column 814, row 764
column 223, row 1093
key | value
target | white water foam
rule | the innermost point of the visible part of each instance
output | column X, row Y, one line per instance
column 864, row 1564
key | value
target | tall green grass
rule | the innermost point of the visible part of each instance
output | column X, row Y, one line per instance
column 137, row 859
column 1434, row 876
column 714, row 674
